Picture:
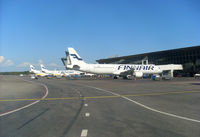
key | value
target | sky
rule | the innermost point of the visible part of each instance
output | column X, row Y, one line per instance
column 40, row 31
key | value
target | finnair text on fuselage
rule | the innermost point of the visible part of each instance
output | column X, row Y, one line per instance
column 136, row 67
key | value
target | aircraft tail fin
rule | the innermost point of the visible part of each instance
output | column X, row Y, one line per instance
column 42, row 67
column 32, row 68
column 74, row 60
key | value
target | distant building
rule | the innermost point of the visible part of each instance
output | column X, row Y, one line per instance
column 189, row 57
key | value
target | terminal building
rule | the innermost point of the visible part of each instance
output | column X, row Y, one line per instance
column 189, row 57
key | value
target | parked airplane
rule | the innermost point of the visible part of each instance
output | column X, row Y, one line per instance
column 72, row 73
column 50, row 72
column 60, row 72
column 76, row 62
column 37, row 72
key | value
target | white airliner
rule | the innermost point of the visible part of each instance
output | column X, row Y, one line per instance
column 37, row 72
column 60, row 72
column 50, row 72
column 76, row 62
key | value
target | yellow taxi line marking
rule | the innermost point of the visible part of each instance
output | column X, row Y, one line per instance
column 102, row 97
column 149, row 108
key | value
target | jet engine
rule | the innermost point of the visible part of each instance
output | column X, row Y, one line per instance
column 76, row 67
column 138, row 74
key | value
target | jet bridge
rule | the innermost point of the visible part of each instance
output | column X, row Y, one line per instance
column 170, row 68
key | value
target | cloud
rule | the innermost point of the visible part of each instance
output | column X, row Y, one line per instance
column 25, row 64
column 6, row 63
column 1, row 59
column 53, row 65
column 9, row 63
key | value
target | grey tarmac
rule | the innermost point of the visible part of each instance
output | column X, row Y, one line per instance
column 112, row 106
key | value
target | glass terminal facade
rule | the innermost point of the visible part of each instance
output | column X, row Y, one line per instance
column 189, row 57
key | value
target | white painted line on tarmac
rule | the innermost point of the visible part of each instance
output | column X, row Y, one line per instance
column 84, row 133
column 86, row 105
column 18, row 109
column 144, row 106
column 26, row 106
column 87, row 114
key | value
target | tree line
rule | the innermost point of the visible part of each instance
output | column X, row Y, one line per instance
column 15, row 73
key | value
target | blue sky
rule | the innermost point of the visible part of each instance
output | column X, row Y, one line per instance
column 39, row 31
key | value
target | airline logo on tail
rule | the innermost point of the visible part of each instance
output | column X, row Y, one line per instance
column 32, row 67
column 76, row 57
column 42, row 66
